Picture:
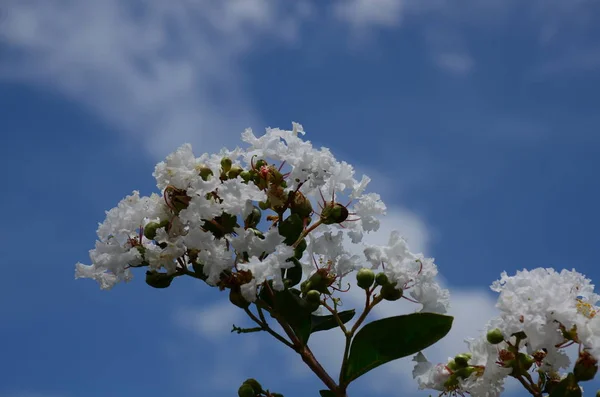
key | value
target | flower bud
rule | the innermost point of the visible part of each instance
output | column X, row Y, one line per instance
column 525, row 361
column 313, row 296
column 305, row 286
column 334, row 213
column 452, row 365
column 205, row 172
column 464, row 373
column 462, row 360
column 301, row 205
column 246, row 176
column 381, row 279
column 259, row 164
column 253, row 218
column 226, row 164
column 263, row 205
column 389, row 292
column 234, row 171
column 150, row 230
column 246, row 390
column 365, row 278
column 495, row 336
column 586, row 367
column 158, row 280
column 236, row 297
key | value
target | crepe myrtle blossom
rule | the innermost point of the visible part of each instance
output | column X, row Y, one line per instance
column 541, row 313
column 409, row 271
column 240, row 217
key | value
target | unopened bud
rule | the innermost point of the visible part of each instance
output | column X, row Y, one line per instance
column 236, row 297
column 381, row 279
column 389, row 292
column 253, row 218
column 205, row 173
column 586, row 367
column 313, row 296
column 495, row 336
column 365, row 278
column 254, row 384
column 234, row 171
column 246, row 390
column 150, row 230
column 226, row 164
column 334, row 213
column 462, row 360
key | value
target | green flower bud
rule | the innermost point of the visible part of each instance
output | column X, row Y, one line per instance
column 313, row 296
column 150, row 230
column 305, row 286
column 259, row 164
column 334, row 213
column 452, row 365
column 246, row 390
column 253, row 218
column 381, row 279
column 461, row 360
column 365, row 278
column 586, row 367
column 205, row 172
column 254, row 384
column 236, row 297
column 389, row 292
column 226, row 164
column 525, row 361
column 495, row 336
column 464, row 373
column 234, row 171
column 246, row 176
column 158, row 280
column 263, row 205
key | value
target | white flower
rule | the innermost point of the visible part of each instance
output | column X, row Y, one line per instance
column 429, row 376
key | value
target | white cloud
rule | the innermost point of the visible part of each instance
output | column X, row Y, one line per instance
column 163, row 72
column 367, row 13
column 213, row 322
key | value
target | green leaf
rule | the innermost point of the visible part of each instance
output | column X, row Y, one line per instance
column 291, row 228
column 388, row 339
column 324, row 323
column 326, row 393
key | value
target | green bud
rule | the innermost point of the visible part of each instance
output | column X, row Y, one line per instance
column 334, row 213
column 253, row 218
column 381, row 279
column 464, row 373
column 246, row 390
column 263, row 205
column 226, row 164
column 234, row 171
column 452, row 365
column 525, row 361
column 254, row 384
column 158, row 280
column 313, row 296
column 236, row 297
column 389, row 292
column 205, row 173
column 150, row 230
column 495, row 336
column 462, row 360
column 246, row 176
column 365, row 278
column 259, row 164
column 586, row 367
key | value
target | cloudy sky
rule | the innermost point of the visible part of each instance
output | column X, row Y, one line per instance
column 476, row 119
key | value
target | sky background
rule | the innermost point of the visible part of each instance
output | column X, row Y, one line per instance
column 477, row 120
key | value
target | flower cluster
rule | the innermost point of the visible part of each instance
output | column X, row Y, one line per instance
column 541, row 312
column 266, row 213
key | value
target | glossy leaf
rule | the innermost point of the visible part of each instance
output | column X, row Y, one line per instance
column 288, row 305
column 388, row 339
column 324, row 323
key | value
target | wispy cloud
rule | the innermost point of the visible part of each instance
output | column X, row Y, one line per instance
column 163, row 73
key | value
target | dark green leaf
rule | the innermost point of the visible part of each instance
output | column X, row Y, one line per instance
column 323, row 323
column 326, row 393
column 294, row 310
column 388, row 339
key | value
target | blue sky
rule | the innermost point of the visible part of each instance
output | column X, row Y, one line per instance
column 476, row 119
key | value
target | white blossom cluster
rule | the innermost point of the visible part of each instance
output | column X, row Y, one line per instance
column 196, row 183
column 547, row 310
